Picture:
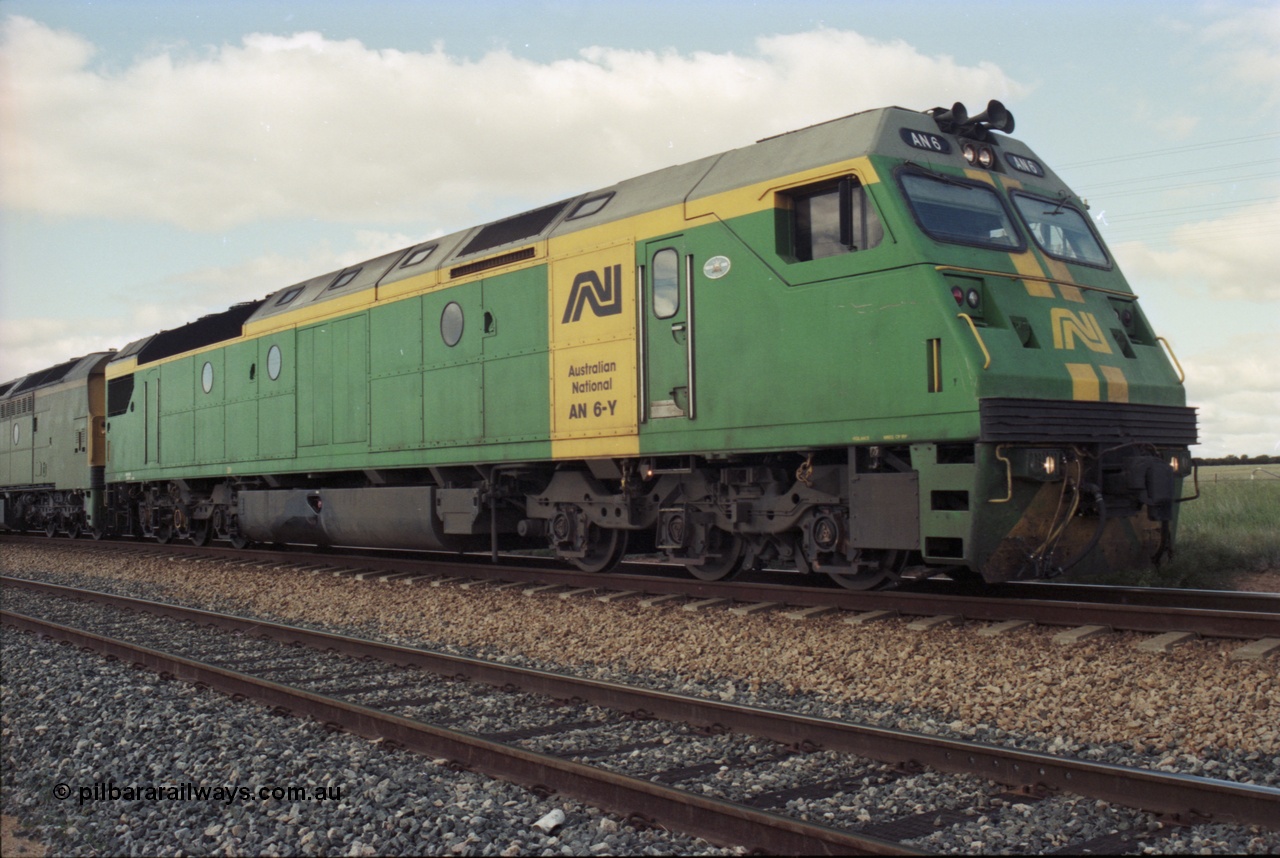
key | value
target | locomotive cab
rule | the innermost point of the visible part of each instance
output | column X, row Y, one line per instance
column 1081, row 433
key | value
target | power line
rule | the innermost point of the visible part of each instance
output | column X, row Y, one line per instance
column 1205, row 183
column 1180, row 209
column 1141, row 231
column 1180, row 173
column 1150, row 153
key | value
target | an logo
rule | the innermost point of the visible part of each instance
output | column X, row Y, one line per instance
column 605, row 298
column 1067, row 326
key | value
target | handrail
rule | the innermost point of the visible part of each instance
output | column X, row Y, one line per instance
column 1008, row 475
column 1036, row 279
column 977, row 336
column 1182, row 376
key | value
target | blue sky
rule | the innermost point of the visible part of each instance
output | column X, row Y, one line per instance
column 160, row 160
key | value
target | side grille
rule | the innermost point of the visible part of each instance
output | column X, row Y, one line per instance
column 1051, row 421
column 492, row 262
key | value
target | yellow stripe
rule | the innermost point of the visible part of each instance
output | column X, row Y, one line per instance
column 1117, row 384
column 313, row 311
column 1071, row 293
column 1084, row 382
column 120, row 368
column 1025, row 264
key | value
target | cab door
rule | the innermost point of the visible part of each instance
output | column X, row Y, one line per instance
column 668, row 338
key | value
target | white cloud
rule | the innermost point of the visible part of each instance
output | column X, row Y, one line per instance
column 1237, row 391
column 1229, row 257
column 33, row 344
column 303, row 126
column 214, row 288
column 1246, row 44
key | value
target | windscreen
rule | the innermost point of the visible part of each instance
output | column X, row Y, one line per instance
column 1060, row 230
column 952, row 210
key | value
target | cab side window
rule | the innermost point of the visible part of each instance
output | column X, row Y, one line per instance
column 828, row 219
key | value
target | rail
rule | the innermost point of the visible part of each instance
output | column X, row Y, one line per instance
column 1207, row 613
column 1184, row 797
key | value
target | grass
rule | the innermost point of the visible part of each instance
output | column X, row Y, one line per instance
column 1232, row 529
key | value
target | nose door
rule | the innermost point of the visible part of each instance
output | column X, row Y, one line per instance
column 668, row 318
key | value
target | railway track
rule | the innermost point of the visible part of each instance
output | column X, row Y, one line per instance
column 1203, row 613
column 378, row 690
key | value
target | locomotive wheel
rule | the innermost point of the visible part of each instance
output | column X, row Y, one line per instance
column 728, row 564
column 51, row 527
column 200, row 532
column 883, row 574
column 604, row 550
column 73, row 529
column 163, row 533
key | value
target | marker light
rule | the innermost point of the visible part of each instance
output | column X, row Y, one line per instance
column 972, row 298
column 958, row 294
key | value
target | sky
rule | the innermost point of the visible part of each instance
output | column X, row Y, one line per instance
column 163, row 159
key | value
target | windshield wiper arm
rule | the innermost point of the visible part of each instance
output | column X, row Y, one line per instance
column 1062, row 203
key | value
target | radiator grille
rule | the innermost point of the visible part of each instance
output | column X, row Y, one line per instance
column 1050, row 421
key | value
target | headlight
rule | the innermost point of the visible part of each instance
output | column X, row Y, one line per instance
column 981, row 156
column 1045, row 465
column 1180, row 463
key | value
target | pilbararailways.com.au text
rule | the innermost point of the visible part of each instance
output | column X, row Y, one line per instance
column 111, row 791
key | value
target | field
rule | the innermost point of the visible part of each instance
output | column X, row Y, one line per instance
column 1228, row 538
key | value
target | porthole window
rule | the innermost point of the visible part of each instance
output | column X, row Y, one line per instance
column 206, row 377
column 274, row 360
column 451, row 324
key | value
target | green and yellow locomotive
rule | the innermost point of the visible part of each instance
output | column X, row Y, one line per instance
column 884, row 343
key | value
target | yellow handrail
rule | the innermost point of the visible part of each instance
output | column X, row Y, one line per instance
column 977, row 336
column 1035, row 279
column 1182, row 376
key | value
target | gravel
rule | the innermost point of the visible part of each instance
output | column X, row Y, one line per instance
column 102, row 725
column 1101, row 700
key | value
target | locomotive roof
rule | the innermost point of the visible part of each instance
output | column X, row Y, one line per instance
column 72, row 370
column 859, row 134
column 480, row 247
